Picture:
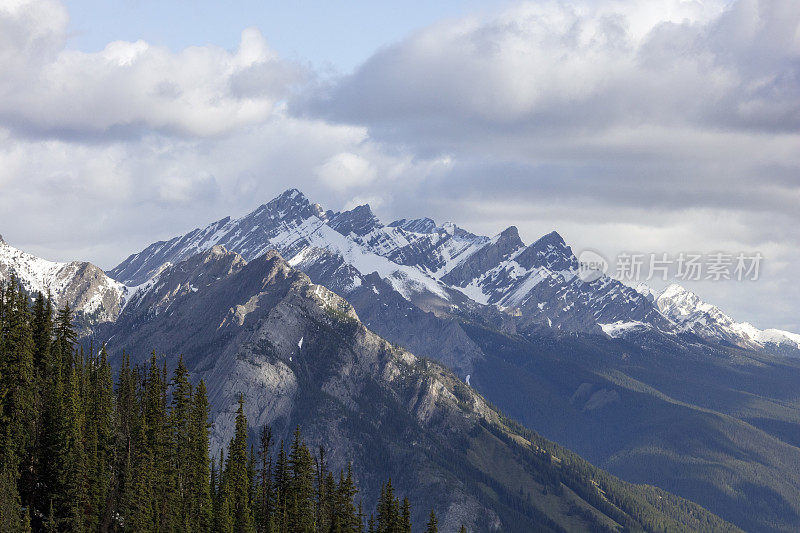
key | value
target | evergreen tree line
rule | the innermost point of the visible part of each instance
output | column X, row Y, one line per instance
column 81, row 453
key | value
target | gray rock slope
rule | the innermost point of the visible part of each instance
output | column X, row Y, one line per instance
column 300, row 355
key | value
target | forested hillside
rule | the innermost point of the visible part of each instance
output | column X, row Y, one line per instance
column 80, row 453
column 83, row 449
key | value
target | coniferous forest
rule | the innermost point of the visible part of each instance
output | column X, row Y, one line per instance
column 82, row 450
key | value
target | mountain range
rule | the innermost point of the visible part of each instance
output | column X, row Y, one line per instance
column 291, row 304
column 300, row 355
column 446, row 269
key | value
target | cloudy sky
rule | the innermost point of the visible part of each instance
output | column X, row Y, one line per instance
column 663, row 126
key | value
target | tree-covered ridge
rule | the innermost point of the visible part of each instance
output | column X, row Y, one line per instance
column 79, row 452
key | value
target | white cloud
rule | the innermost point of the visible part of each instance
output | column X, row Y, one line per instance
column 345, row 170
column 374, row 201
column 130, row 87
column 545, row 67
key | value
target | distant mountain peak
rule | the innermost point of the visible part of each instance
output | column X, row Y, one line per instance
column 415, row 225
column 288, row 198
column 85, row 287
column 291, row 194
column 706, row 320
column 549, row 251
column 359, row 221
column 511, row 234
column 648, row 292
column 675, row 289
column 551, row 239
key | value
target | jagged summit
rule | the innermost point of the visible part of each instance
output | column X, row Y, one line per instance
column 648, row 292
column 549, row 251
column 416, row 225
column 511, row 234
column 551, row 239
column 437, row 267
column 291, row 194
column 359, row 221
column 291, row 202
column 442, row 266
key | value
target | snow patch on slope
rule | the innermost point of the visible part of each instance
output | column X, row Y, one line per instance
column 621, row 328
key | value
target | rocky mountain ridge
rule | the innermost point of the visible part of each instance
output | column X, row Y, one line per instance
column 94, row 296
column 440, row 269
column 693, row 315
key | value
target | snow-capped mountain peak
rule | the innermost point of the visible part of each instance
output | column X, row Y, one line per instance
column 444, row 267
column 691, row 314
column 85, row 287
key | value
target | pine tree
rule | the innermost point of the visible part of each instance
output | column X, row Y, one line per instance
column 51, row 452
column 72, row 500
column 322, row 503
column 223, row 515
column 42, row 330
column 140, row 504
column 127, row 426
column 100, row 438
column 282, row 491
column 301, row 501
column 264, row 493
column 10, row 505
column 236, row 476
column 50, row 524
column 405, row 520
column 251, row 482
column 388, row 510
column 18, row 392
column 178, row 496
column 332, row 493
column 431, row 526
column 65, row 339
column 346, row 512
column 156, row 441
column 198, row 469
column 212, row 488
